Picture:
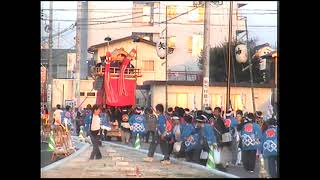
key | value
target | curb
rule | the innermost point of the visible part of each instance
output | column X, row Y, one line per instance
column 160, row 156
column 68, row 158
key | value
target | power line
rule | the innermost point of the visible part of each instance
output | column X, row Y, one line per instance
column 200, row 14
column 61, row 32
column 104, row 9
column 178, row 23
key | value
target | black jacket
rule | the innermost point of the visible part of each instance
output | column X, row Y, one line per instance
column 220, row 129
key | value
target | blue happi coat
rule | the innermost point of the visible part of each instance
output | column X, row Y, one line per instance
column 269, row 142
column 138, row 123
column 250, row 136
column 87, row 121
column 194, row 141
column 104, row 119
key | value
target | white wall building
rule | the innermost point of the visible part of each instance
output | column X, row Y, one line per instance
column 147, row 18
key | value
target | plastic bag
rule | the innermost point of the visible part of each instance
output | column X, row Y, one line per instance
column 204, row 154
column 216, row 156
column 226, row 137
column 177, row 147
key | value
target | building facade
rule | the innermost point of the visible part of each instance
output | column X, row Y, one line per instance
column 63, row 61
column 147, row 19
column 188, row 94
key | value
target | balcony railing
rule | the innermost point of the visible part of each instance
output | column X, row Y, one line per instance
column 115, row 72
column 184, row 76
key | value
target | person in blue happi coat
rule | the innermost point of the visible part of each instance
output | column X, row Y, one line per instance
column 232, row 124
column 250, row 141
column 269, row 147
column 138, row 124
column 105, row 124
column 87, row 119
column 200, row 139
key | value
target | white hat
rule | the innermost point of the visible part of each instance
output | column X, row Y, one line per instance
column 175, row 118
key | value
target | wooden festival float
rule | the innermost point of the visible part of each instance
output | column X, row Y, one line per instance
column 115, row 82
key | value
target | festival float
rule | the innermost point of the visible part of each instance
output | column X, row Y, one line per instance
column 115, row 82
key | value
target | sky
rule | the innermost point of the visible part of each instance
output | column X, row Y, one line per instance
column 264, row 34
column 259, row 13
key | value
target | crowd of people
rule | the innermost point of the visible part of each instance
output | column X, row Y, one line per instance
column 239, row 137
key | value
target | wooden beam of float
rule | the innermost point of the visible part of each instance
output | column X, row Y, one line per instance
column 120, row 54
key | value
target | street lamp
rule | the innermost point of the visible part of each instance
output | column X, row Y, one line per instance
column 136, row 39
column 108, row 39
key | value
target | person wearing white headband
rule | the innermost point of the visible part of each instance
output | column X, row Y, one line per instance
column 204, row 138
column 232, row 123
column 250, row 141
column 137, row 125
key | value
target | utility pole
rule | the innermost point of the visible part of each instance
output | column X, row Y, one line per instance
column 76, row 81
column 58, row 35
column 84, row 40
column 250, row 68
column 206, row 50
column 49, row 85
column 229, row 57
column 166, row 57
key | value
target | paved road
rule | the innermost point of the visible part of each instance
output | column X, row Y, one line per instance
column 238, row 170
column 121, row 163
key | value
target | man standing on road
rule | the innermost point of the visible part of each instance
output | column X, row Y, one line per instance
column 231, row 123
column 269, row 147
column 223, row 144
column 138, row 125
column 95, row 126
column 250, row 136
column 125, row 127
column 151, row 121
column 87, row 119
column 160, row 138
column 57, row 115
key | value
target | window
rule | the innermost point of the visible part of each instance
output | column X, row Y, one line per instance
column 195, row 44
column 237, row 101
column 142, row 13
column 146, row 38
column 196, row 15
column 216, row 100
column 91, row 94
column 171, row 11
column 143, row 35
column 172, row 100
column 82, row 93
column 172, row 42
column 182, row 100
column 189, row 43
column 146, row 12
column 148, row 65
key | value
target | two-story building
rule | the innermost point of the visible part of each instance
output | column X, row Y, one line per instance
column 147, row 19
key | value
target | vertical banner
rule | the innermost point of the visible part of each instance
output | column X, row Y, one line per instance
column 71, row 61
column 43, row 83
column 49, row 93
column 205, row 91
